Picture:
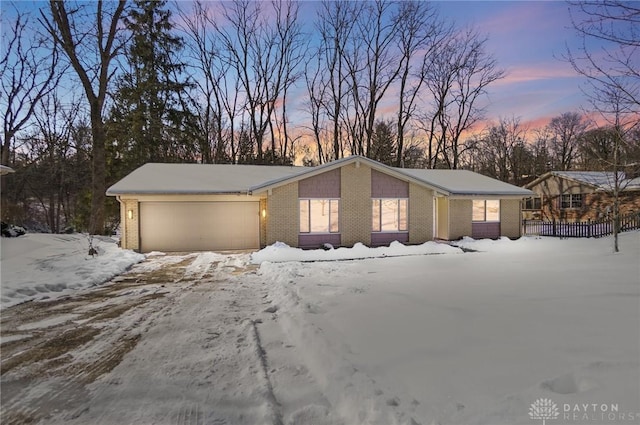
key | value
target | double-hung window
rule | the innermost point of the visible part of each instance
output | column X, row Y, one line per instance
column 486, row 210
column 532, row 204
column 390, row 215
column 571, row 201
column 319, row 215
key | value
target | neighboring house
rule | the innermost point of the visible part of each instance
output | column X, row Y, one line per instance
column 579, row 196
column 186, row 207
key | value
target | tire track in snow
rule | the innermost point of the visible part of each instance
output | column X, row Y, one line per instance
column 201, row 361
column 205, row 352
column 262, row 358
column 51, row 368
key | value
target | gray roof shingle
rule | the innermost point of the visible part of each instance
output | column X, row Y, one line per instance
column 155, row 178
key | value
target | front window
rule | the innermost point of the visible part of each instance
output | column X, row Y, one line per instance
column 486, row 210
column 571, row 201
column 533, row 204
column 389, row 215
column 319, row 215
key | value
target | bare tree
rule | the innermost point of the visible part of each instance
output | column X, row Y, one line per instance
column 262, row 53
column 502, row 152
column 616, row 62
column 624, row 122
column 209, row 80
column 327, row 84
column 612, row 74
column 289, row 53
column 457, row 78
column 51, row 149
column 29, row 73
column 89, row 41
column 420, row 31
column 565, row 131
column 373, row 64
column 317, row 92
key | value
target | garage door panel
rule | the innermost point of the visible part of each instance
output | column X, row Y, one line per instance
column 199, row 226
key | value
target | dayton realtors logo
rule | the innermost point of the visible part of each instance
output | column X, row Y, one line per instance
column 545, row 409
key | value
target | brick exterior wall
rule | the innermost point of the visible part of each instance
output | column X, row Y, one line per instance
column 283, row 215
column 420, row 214
column 510, row 218
column 130, row 226
column 460, row 212
column 601, row 204
column 355, row 214
column 263, row 223
column 595, row 205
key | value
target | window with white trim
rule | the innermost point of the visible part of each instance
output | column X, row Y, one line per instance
column 571, row 201
column 390, row 215
column 532, row 204
column 319, row 215
column 486, row 210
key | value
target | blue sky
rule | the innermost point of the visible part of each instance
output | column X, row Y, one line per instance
column 528, row 39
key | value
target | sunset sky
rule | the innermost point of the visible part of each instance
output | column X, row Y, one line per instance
column 528, row 39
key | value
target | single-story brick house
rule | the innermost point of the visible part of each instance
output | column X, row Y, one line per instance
column 186, row 207
column 579, row 196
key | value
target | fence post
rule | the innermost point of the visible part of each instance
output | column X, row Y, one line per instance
column 553, row 224
column 589, row 228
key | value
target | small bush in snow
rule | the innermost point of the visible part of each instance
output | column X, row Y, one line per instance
column 11, row 231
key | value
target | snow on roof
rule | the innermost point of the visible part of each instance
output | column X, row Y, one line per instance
column 595, row 178
column 602, row 180
column 154, row 178
column 464, row 182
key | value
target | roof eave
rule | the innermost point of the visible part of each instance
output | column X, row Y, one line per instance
column 556, row 174
column 165, row 192
column 340, row 163
column 498, row 194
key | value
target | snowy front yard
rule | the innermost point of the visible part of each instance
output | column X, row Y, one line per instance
column 448, row 338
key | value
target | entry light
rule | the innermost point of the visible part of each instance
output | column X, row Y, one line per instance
column 130, row 214
column 264, row 213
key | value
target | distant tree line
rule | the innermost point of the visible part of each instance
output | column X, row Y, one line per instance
column 91, row 91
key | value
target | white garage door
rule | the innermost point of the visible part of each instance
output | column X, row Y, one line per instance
column 199, row 226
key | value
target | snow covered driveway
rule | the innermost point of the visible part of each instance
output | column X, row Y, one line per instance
column 452, row 338
column 177, row 340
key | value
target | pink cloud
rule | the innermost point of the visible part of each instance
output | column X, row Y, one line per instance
column 539, row 72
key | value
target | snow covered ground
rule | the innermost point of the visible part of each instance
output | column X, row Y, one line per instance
column 436, row 336
column 45, row 266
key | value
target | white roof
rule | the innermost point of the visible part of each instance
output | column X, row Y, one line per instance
column 464, row 182
column 601, row 180
column 197, row 179
column 156, row 178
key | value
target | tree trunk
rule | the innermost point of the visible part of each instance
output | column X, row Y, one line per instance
column 98, row 177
